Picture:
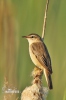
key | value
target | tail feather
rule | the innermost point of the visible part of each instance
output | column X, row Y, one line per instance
column 48, row 79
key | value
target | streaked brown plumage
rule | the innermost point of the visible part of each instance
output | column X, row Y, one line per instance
column 40, row 56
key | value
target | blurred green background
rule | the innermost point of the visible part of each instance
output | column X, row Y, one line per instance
column 22, row 17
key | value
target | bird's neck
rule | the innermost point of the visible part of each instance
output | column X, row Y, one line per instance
column 33, row 42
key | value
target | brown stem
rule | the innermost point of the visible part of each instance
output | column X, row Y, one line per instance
column 45, row 18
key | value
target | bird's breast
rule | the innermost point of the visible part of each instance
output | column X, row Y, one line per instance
column 34, row 58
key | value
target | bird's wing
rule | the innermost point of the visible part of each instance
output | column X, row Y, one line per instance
column 40, row 51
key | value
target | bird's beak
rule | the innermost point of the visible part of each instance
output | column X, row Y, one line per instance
column 25, row 36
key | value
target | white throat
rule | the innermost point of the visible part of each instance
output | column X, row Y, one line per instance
column 31, row 41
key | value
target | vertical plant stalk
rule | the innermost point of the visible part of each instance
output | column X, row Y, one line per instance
column 45, row 19
column 36, row 91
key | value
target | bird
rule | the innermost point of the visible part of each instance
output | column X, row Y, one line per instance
column 40, row 56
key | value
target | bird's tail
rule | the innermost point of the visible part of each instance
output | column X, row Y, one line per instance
column 48, row 79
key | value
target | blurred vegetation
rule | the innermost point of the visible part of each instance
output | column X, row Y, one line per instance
column 22, row 17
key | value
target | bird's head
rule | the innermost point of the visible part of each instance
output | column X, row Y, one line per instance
column 33, row 38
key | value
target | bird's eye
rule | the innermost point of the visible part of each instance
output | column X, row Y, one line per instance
column 32, row 36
